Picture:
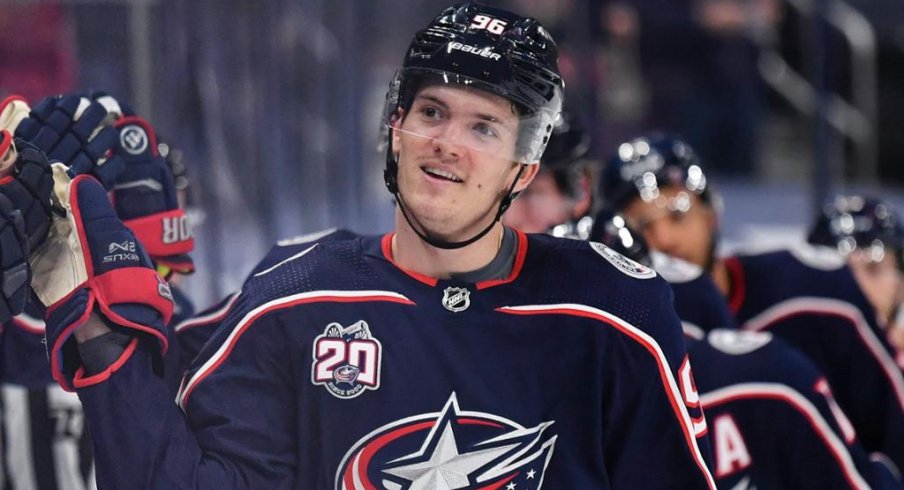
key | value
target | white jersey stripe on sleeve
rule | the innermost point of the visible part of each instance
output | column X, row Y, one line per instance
column 843, row 309
column 226, row 347
column 212, row 317
column 777, row 391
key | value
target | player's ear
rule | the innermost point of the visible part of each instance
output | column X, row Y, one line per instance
column 527, row 176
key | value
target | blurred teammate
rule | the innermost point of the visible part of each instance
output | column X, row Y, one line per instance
column 869, row 234
column 387, row 362
column 773, row 421
column 560, row 198
column 808, row 298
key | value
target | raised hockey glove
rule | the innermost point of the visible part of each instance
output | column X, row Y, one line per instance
column 15, row 273
column 76, row 131
column 91, row 262
column 145, row 197
column 27, row 185
column 13, row 110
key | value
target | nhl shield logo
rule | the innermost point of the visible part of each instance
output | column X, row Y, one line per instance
column 456, row 299
column 347, row 360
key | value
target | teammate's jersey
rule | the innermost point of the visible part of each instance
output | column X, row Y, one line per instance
column 813, row 301
column 699, row 303
column 773, row 422
column 337, row 369
column 45, row 443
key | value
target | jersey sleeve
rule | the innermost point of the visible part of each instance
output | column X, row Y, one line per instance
column 819, row 446
column 227, row 440
column 659, row 440
column 865, row 380
column 774, row 419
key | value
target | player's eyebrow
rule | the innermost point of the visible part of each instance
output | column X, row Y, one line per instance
column 434, row 99
column 479, row 115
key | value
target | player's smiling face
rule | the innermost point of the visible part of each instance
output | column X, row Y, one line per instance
column 456, row 148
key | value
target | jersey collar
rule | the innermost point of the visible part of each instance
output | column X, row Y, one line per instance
column 520, row 255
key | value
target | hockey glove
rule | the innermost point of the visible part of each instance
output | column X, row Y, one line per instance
column 15, row 274
column 145, row 198
column 92, row 262
column 13, row 110
column 76, row 131
column 28, row 185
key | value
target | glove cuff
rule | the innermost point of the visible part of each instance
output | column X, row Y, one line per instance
column 132, row 285
column 163, row 234
column 122, row 297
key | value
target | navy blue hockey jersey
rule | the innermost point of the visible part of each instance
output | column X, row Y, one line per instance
column 337, row 369
column 773, row 422
column 192, row 332
column 699, row 303
column 813, row 302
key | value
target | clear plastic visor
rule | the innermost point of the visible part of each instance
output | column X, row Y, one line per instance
column 460, row 116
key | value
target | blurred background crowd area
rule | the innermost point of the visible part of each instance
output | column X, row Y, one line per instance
column 275, row 104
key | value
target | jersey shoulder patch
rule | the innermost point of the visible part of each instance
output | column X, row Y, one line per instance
column 622, row 263
column 737, row 342
column 675, row 270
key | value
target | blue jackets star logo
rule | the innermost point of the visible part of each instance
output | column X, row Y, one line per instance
column 447, row 450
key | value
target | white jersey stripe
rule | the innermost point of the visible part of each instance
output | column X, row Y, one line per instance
column 776, row 391
column 825, row 306
column 650, row 344
column 213, row 316
column 290, row 259
column 308, row 297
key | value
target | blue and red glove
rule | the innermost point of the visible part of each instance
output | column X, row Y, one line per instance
column 76, row 131
column 16, row 274
column 145, row 197
column 92, row 262
column 28, row 186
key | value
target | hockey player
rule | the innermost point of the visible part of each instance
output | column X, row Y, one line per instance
column 560, row 198
column 413, row 360
column 772, row 419
column 868, row 233
column 809, row 299
column 698, row 302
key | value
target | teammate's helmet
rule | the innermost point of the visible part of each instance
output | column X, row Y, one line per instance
column 643, row 165
column 610, row 229
column 856, row 222
column 565, row 154
column 490, row 49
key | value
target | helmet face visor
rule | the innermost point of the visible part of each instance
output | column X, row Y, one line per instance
column 468, row 114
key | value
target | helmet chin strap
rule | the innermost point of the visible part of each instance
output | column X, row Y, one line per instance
column 390, row 175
